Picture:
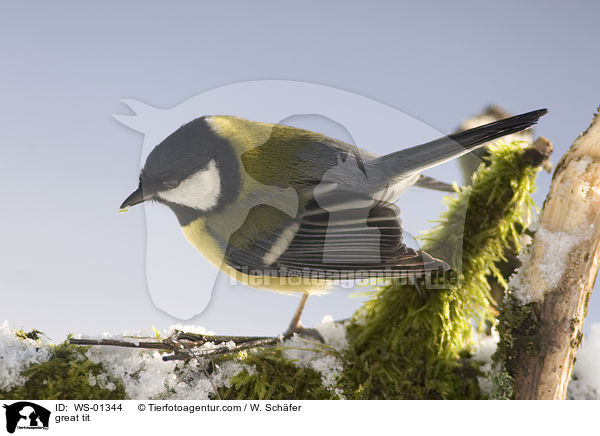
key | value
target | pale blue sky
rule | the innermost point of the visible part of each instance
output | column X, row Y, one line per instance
column 70, row 262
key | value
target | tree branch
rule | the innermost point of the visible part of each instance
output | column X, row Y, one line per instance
column 542, row 320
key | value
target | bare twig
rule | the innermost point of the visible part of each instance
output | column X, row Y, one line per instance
column 225, row 350
column 186, row 345
column 121, row 343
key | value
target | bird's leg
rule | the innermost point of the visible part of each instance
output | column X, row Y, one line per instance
column 295, row 323
column 296, row 326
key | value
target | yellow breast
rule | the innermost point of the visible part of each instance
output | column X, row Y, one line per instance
column 197, row 235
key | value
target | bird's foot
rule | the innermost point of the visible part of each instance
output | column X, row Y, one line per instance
column 308, row 333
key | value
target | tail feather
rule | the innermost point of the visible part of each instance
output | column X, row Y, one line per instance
column 421, row 157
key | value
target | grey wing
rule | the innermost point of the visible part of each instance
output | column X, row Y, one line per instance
column 342, row 235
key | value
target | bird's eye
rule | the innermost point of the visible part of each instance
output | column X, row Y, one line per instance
column 170, row 184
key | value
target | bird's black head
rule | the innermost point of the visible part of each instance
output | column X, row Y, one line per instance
column 193, row 171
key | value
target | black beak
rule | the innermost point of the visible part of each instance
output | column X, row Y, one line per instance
column 138, row 196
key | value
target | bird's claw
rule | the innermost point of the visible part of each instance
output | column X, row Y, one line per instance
column 308, row 333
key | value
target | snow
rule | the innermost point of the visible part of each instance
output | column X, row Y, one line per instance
column 145, row 375
column 556, row 247
column 555, row 260
column 485, row 347
column 579, row 166
column 585, row 383
column 327, row 364
column 188, row 328
column 333, row 333
column 16, row 355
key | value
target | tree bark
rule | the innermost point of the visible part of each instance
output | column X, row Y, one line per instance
column 558, row 274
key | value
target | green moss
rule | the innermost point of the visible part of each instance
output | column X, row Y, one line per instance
column 502, row 385
column 65, row 376
column 518, row 328
column 519, row 332
column 275, row 378
column 407, row 345
column 33, row 334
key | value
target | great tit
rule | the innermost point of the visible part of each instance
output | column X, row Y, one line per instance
column 291, row 210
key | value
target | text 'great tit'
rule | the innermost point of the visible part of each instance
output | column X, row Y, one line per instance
column 292, row 210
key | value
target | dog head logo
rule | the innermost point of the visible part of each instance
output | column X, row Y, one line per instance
column 26, row 415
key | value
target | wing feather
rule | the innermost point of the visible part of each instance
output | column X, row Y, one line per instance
column 337, row 234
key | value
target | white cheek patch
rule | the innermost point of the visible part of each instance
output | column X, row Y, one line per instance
column 199, row 191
